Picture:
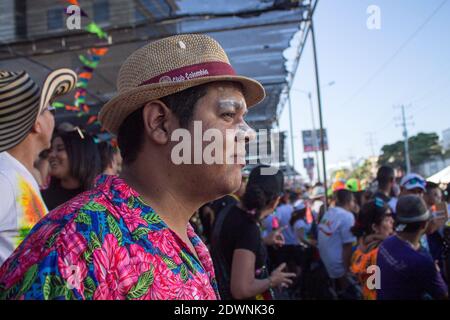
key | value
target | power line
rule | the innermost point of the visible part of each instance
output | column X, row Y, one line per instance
column 396, row 53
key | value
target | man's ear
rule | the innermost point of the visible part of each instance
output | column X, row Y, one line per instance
column 37, row 126
column 157, row 117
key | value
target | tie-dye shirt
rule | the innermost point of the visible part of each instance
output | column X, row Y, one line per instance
column 107, row 244
column 21, row 204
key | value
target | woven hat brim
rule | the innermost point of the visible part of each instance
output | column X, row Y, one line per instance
column 115, row 111
column 57, row 83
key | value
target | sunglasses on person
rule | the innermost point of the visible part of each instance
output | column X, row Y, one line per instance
column 418, row 181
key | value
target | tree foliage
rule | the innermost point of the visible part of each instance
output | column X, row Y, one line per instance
column 422, row 147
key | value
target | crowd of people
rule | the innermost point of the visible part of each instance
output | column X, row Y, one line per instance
column 82, row 218
column 387, row 242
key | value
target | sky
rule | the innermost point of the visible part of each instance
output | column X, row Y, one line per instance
column 373, row 71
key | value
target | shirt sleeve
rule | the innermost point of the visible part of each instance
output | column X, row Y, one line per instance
column 299, row 224
column 249, row 239
column 432, row 280
column 345, row 229
column 8, row 218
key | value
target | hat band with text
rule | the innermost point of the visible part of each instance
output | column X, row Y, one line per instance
column 201, row 70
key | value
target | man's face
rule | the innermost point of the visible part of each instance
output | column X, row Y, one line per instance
column 47, row 123
column 222, row 109
column 353, row 205
column 416, row 191
column 433, row 197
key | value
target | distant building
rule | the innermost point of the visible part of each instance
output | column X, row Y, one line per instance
column 432, row 166
column 31, row 19
column 446, row 139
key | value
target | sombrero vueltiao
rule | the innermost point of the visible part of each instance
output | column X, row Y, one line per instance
column 21, row 101
column 171, row 65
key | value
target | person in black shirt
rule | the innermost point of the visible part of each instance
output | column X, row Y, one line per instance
column 386, row 181
column 238, row 250
column 74, row 164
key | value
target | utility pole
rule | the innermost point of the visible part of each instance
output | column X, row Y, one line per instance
column 405, row 137
column 316, row 145
column 404, row 125
column 371, row 142
column 291, row 129
column 319, row 101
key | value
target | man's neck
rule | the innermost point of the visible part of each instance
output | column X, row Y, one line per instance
column 174, row 206
column 412, row 238
column 386, row 191
column 346, row 208
column 25, row 153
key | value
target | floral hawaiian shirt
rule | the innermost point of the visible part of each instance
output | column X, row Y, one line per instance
column 107, row 244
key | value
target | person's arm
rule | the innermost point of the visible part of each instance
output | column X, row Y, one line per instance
column 347, row 255
column 301, row 237
column 274, row 238
column 347, row 239
column 433, row 282
column 244, row 285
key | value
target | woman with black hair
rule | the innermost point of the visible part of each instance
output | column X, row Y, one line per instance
column 374, row 224
column 238, row 250
column 74, row 164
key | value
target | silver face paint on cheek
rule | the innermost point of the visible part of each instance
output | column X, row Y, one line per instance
column 231, row 103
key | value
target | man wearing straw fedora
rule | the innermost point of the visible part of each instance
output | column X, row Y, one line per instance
column 130, row 237
column 26, row 126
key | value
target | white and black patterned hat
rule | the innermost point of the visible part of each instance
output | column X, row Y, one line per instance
column 21, row 101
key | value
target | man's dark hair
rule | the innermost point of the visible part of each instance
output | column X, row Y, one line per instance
column 131, row 133
column 414, row 227
column 343, row 197
column 107, row 152
column 385, row 175
column 431, row 186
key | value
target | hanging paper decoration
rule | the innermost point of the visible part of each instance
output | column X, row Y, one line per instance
column 89, row 62
column 95, row 29
column 91, row 120
column 58, row 105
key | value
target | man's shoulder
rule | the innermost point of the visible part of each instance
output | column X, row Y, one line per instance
column 7, row 178
column 8, row 188
column 89, row 203
column 238, row 220
column 338, row 213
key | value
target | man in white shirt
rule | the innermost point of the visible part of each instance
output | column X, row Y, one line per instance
column 26, row 127
column 335, row 238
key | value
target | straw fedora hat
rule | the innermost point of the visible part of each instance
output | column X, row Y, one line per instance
column 21, row 101
column 168, row 66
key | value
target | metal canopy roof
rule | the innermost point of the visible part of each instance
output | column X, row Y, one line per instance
column 254, row 33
